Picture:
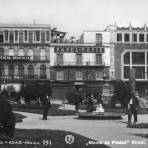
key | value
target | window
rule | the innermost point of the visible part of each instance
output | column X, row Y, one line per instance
column 6, row 36
column 60, row 75
column 98, row 38
column 42, row 54
column 2, row 70
column 99, row 74
column 139, row 72
column 79, row 75
column 119, row 37
column 1, row 38
column 11, row 70
column 37, row 36
column 21, row 70
column 134, row 37
column 59, row 59
column 11, row 37
column 126, row 37
column 25, row 36
column 79, row 59
column 11, row 52
column 126, row 72
column 127, row 58
column 30, row 71
column 138, row 58
column 47, row 36
column 30, row 53
column 16, row 36
column 141, row 37
column 21, row 52
column 99, row 59
column 42, row 71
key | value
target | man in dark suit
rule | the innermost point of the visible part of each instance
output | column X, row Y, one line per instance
column 46, row 105
column 133, row 108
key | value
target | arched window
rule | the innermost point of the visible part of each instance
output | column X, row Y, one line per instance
column 11, row 52
column 21, row 52
column 21, row 70
column 30, row 53
column 11, row 70
column 42, row 54
column 30, row 71
column 42, row 71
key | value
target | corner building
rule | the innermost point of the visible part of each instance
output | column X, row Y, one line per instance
column 130, row 48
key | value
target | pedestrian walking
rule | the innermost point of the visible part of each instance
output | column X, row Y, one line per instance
column 133, row 108
column 77, row 101
column 46, row 106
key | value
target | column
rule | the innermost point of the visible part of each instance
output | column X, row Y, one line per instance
column 122, row 37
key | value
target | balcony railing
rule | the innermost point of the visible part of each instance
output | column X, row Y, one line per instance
column 23, row 77
column 79, row 64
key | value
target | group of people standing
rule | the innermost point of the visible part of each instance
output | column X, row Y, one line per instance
column 93, row 104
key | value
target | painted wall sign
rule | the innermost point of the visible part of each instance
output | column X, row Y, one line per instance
column 3, row 58
column 78, row 50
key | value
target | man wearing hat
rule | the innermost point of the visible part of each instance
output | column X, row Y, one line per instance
column 133, row 108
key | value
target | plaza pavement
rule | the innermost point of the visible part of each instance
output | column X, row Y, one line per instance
column 113, row 131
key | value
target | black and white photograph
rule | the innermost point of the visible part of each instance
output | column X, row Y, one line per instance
column 73, row 73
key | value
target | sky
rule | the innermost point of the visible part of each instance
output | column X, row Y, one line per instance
column 74, row 16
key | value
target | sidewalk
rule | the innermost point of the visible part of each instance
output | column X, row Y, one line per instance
column 114, row 131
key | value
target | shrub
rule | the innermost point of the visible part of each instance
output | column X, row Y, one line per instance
column 122, row 92
column 72, row 98
column 35, row 90
column 15, row 95
column 7, row 119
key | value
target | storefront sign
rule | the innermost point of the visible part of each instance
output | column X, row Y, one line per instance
column 3, row 58
column 78, row 50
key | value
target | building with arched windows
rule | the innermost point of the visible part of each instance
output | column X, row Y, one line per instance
column 24, row 53
column 128, row 50
column 31, row 52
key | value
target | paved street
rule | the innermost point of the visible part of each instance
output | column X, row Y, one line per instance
column 113, row 131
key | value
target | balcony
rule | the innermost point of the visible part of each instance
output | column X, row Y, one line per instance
column 23, row 77
column 79, row 64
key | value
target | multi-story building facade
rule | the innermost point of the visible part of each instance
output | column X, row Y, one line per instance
column 31, row 52
column 129, row 46
column 77, row 65
column 128, row 49
column 24, row 52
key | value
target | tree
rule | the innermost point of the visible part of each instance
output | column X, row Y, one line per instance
column 72, row 97
column 36, row 90
column 122, row 92
column 7, row 119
